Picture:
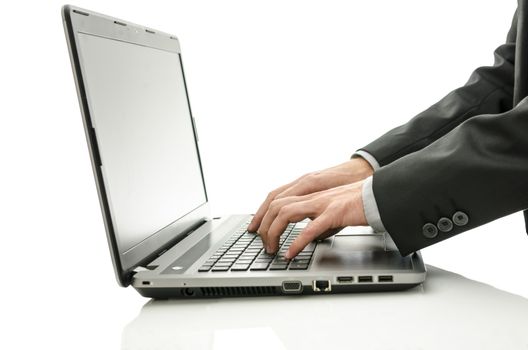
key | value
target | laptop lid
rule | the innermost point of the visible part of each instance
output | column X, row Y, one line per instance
column 140, row 132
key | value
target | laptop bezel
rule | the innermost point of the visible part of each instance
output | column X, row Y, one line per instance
column 77, row 20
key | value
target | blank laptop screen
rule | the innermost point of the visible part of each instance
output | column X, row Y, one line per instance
column 140, row 113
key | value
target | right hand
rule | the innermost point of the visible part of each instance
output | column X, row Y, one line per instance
column 349, row 172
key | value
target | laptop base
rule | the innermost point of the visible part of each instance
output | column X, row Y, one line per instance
column 254, row 291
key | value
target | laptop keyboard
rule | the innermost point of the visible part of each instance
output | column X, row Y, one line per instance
column 244, row 252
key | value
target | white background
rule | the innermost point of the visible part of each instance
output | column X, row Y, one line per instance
column 278, row 88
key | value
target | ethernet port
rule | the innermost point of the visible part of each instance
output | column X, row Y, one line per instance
column 321, row 286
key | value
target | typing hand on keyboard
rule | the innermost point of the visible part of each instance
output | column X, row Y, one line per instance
column 329, row 210
column 320, row 195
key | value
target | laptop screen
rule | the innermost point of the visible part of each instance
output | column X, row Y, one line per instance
column 140, row 112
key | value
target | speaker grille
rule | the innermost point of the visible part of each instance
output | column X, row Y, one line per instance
column 237, row 291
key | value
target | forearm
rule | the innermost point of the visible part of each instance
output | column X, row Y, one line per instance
column 488, row 91
column 480, row 169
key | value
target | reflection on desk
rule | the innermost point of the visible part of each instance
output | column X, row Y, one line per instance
column 448, row 312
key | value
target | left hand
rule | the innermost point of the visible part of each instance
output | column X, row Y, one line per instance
column 329, row 210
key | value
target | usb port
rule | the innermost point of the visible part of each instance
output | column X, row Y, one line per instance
column 345, row 279
column 387, row 278
column 364, row 279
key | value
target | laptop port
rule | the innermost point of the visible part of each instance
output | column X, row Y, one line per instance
column 385, row 278
column 188, row 292
column 146, row 283
column 321, row 286
column 345, row 279
column 364, row 279
column 291, row 286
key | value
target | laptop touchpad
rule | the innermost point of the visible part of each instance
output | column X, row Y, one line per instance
column 359, row 252
column 359, row 242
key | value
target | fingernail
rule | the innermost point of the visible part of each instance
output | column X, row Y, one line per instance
column 287, row 255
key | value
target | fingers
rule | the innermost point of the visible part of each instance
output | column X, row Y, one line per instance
column 293, row 212
column 273, row 210
column 257, row 219
column 328, row 233
column 314, row 229
column 303, row 185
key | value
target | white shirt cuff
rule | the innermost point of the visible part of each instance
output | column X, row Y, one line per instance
column 368, row 157
column 371, row 207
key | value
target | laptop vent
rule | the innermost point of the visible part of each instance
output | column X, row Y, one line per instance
column 237, row 291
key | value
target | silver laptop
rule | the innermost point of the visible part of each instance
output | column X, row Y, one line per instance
column 144, row 149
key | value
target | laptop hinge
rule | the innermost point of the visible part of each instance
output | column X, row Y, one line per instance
column 150, row 264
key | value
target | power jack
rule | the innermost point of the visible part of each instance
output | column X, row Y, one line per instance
column 321, row 286
column 188, row 292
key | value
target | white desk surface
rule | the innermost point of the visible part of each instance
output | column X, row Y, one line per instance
column 44, row 309
column 447, row 312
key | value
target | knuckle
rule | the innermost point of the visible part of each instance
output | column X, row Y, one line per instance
column 285, row 211
column 271, row 195
column 274, row 205
column 280, row 195
column 312, row 177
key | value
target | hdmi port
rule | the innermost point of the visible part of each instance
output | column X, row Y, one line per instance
column 345, row 279
column 364, row 279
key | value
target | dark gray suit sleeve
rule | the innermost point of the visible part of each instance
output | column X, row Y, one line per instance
column 488, row 90
column 479, row 169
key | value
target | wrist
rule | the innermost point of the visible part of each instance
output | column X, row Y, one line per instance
column 363, row 169
column 362, row 217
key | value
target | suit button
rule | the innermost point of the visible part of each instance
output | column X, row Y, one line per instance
column 460, row 218
column 429, row 230
column 445, row 225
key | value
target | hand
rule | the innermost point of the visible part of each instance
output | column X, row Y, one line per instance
column 349, row 172
column 329, row 210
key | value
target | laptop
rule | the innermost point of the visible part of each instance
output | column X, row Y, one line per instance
column 144, row 150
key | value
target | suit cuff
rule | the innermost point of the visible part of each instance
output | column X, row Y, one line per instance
column 371, row 207
column 368, row 157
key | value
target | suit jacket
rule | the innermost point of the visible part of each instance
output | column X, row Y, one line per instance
column 462, row 162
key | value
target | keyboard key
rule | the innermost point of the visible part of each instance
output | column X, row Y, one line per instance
column 259, row 266
column 236, row 249
column 246, row 258
column 302, row 253
column 278, row 267
column 266, row 255
column 240, row 267
column 309, row 248
column 220, row 263
column 298, row 266
column 220, row 268
column 204, row 268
